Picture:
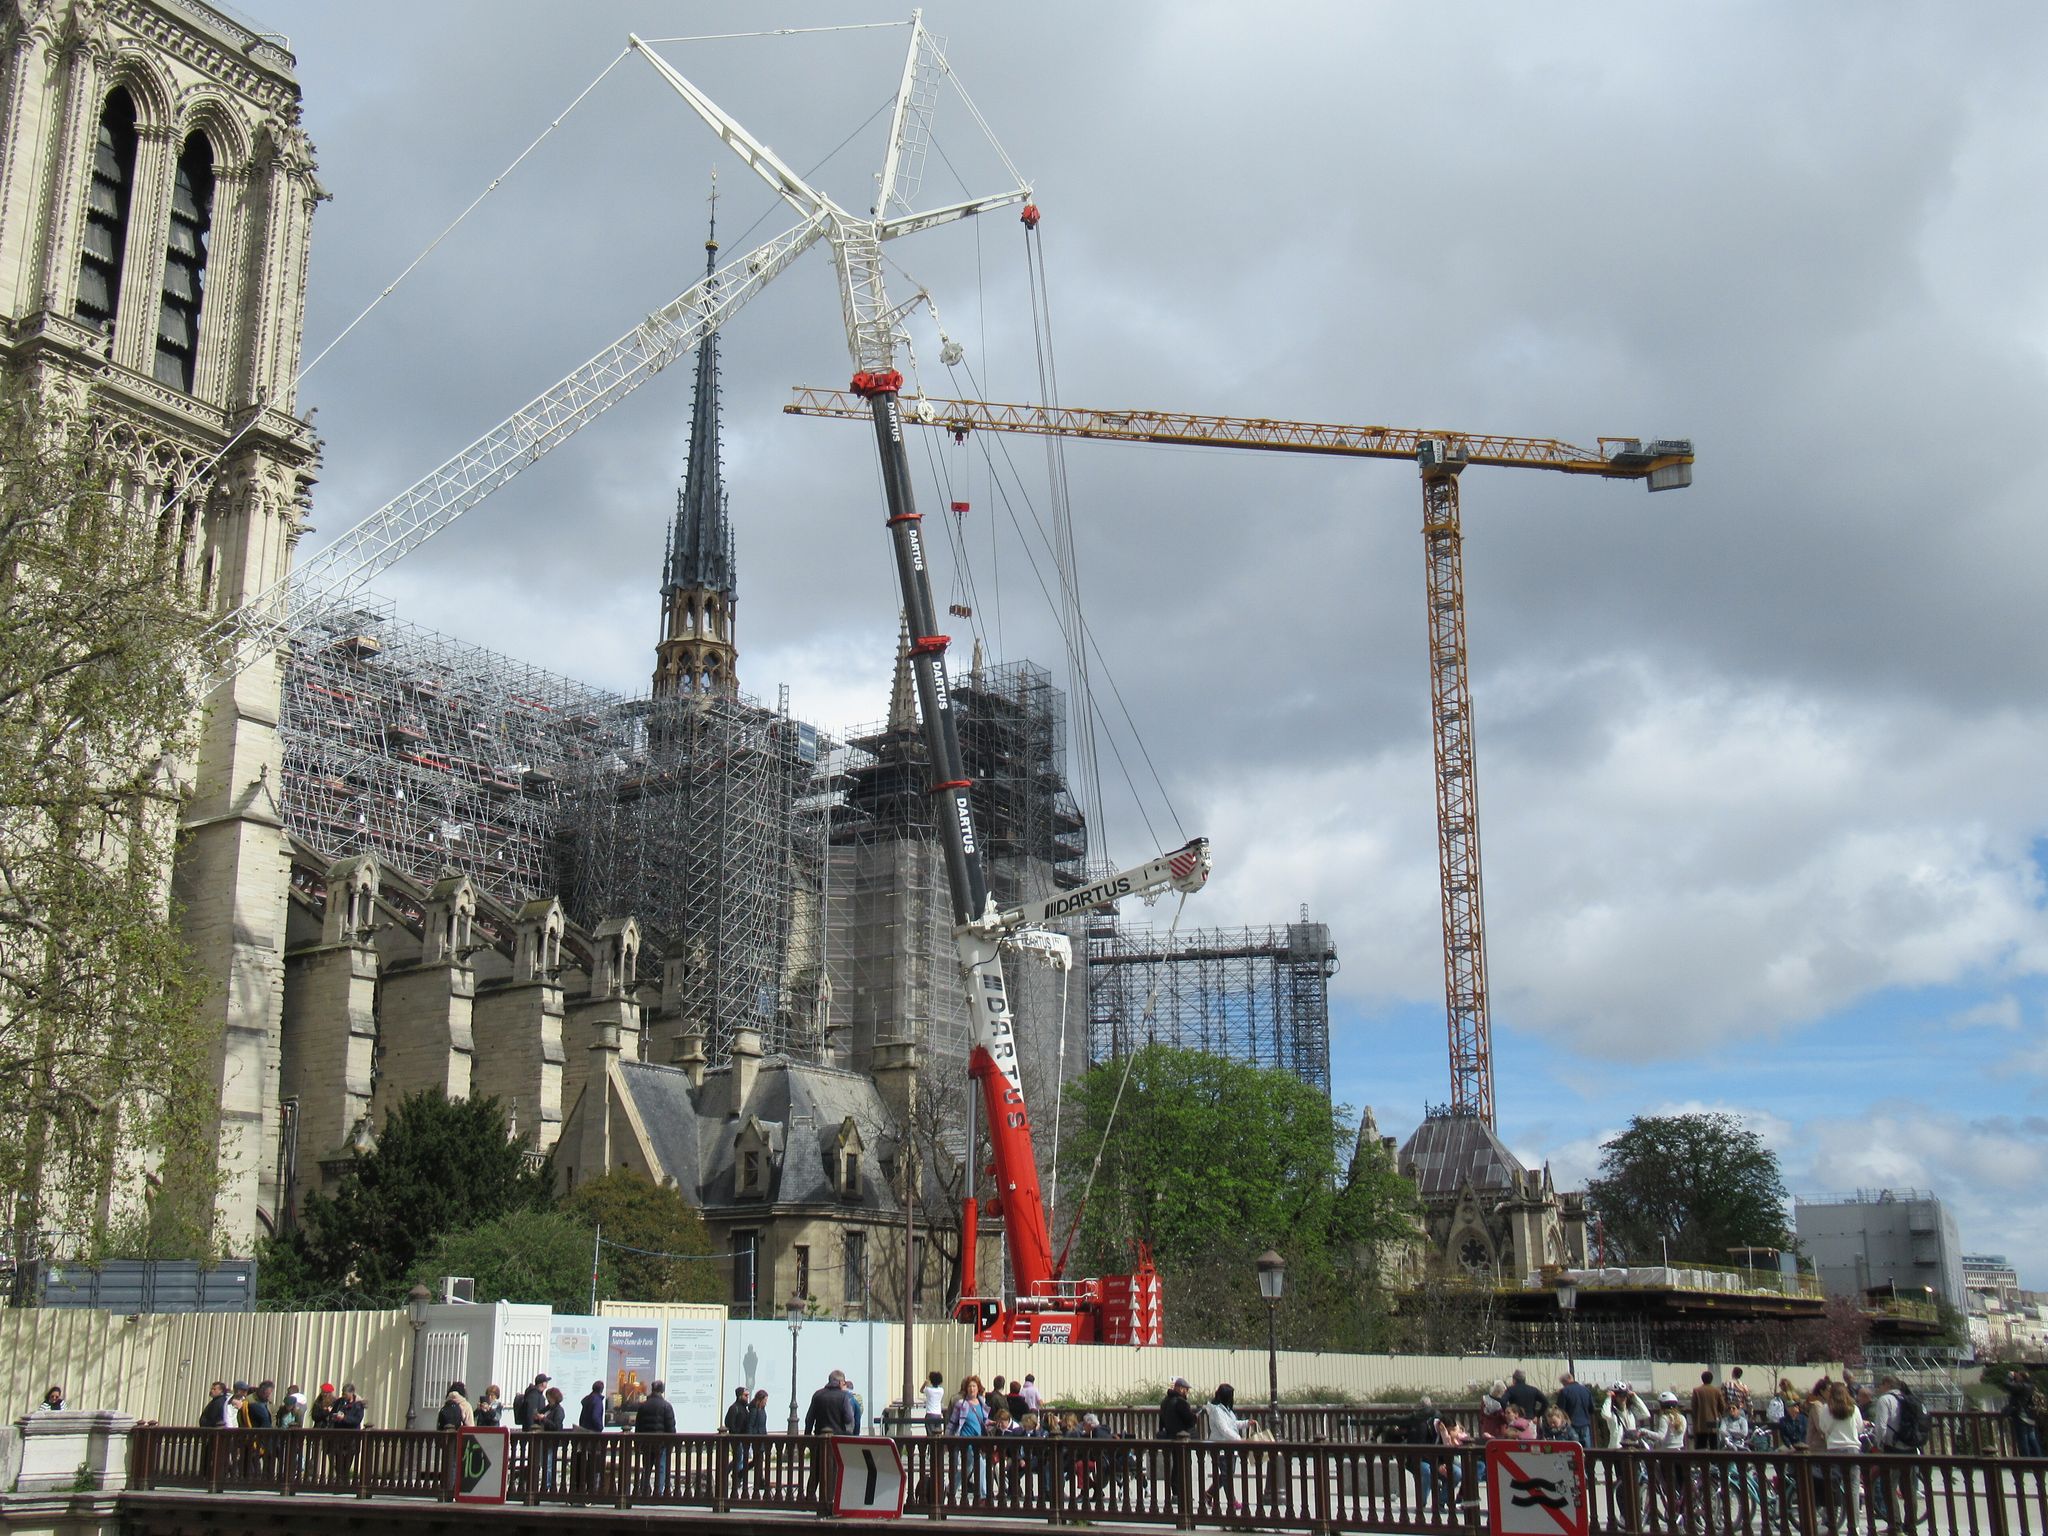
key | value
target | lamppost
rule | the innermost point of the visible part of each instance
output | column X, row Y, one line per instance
column 1272, row 1285
column 796, row 1326
column 1568, row 1304
column 417, row 1300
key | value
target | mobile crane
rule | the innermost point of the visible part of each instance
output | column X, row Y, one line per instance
column 1049, row 1308
column 1115, row 1309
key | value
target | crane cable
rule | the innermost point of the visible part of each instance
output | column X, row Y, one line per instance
column 1059, row 1080
column 1087, row 774
column 1000, row 488
column 1109, row 1124
column 391, row 287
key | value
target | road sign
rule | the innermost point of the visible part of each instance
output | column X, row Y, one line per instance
column 867, row 1480
column 1535, row 1488
column 480, row 1456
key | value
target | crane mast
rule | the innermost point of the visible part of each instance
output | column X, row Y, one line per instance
column 1457, row 796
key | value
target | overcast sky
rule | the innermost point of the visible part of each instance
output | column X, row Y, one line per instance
column 1761, row 762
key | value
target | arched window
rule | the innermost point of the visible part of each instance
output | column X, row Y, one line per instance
column 177, row 330
column 106, row 213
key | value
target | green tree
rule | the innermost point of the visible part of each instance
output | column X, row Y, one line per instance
column 523, row 1255
column 440, row 1165
column 103, row 1051
column 1705, row 1183
column 1211, row 1161
column 673, row 1261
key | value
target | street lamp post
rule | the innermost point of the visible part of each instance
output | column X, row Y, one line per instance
column 1272, row 1285
column 417, row 1300
column 1568, row 1304
column 796, row 1326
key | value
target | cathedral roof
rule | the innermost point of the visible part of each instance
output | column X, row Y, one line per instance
column 1447, row 1151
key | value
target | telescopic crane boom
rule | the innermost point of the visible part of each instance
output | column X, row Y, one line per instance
column 873, row 332
column 1663, row 464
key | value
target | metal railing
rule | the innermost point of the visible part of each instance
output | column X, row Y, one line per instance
column 1319, row 1488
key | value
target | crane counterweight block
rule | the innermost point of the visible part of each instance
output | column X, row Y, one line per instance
column 930, row 645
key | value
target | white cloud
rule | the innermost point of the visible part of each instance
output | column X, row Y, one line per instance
column 1714, row 859
column 2001, row 1012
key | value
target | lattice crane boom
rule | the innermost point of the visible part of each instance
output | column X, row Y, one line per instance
column 327, row 581
column 1663, row 464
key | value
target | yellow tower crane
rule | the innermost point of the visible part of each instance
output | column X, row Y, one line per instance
column 1664, row 464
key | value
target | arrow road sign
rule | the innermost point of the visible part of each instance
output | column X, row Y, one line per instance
column 867, row 1478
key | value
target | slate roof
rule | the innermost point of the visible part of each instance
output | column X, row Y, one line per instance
column 1447, row 1150
column 800, row 1106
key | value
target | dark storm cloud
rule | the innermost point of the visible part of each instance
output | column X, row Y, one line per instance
column 1749, row 751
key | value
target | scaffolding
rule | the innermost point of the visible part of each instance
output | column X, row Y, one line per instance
column 432, row 754
column 890, row 953
column 1256, row 995
column 706, row 818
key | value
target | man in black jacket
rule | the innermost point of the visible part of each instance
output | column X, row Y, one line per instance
column 1176, row 1422
column 531, row 1406
column 1176, row 1413
column 349, row 1413
column 831, row 1411
column 1529, row 1399
column 736, row 1413
column 656, row 1417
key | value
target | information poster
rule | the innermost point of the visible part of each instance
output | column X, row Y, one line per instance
column 575, row 1358
column 694, row 1349
column 632, row 1366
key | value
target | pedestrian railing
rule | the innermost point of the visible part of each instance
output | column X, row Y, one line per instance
column 1253, row 1485
column 1303, row 1423
column 1975, row 1433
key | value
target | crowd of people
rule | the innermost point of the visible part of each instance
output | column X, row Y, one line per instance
column 1835, row 1417
column 259, row 1407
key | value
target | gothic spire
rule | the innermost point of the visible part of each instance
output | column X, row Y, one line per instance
column 697, row 655
column 701, row 552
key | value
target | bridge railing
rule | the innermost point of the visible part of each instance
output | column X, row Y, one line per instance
column 1321, row 1488
column 1972, row 1434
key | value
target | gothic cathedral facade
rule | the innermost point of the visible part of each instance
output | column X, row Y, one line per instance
column 156, row 200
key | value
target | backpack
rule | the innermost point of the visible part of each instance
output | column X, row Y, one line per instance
column 1913, row 1426
column 1419, row 1429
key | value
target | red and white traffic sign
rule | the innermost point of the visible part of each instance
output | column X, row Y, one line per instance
column 1535, row 1488
column 867, row 1478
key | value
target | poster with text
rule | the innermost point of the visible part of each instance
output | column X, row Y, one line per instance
column 632, row 1365
column 575, row 1358
column 694, row 1349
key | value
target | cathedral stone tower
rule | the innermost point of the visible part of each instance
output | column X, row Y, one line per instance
column 156, row 196
column 697, row 656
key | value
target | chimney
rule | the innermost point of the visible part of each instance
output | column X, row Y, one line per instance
column 746, row 1066
column 895, row 1074
column 690, row 1054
